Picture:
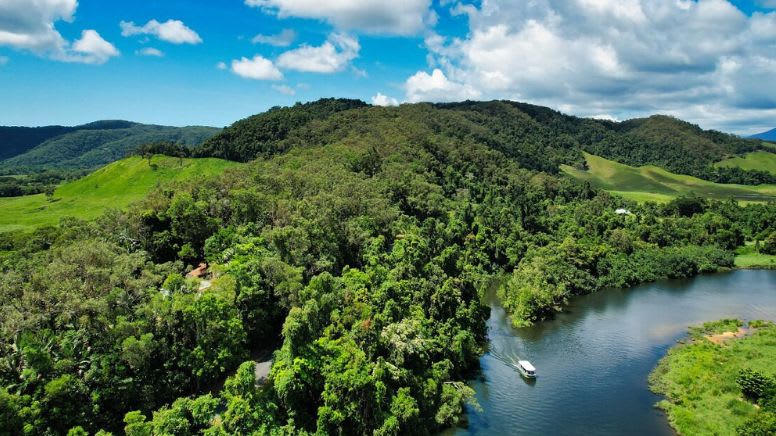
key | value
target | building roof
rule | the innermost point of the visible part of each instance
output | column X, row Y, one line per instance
column 199, row 271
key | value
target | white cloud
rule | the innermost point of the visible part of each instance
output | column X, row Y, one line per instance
column 91, row 49
column 282, row 39
column 284, row 89
column 30, row 25
column 436, row 87
column 384, row 100
column 173, row 31
column 397, row 17
column 332, row 56
column 622, row 58
column 258, row 68
column 150, row 51
column 605, row 117
column 221, row 65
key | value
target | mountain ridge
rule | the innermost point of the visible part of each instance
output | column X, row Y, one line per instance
column 85, row 146
column 769, row 135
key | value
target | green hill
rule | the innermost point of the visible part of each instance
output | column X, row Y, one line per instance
column 657, row 184
column 86, row 147
column 755, row 161
column 264, row 134
column 115, row 185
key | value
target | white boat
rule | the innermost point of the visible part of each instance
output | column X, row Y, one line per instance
column 526, row 369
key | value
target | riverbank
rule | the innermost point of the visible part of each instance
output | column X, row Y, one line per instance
column 698, row 377
column 747, row 257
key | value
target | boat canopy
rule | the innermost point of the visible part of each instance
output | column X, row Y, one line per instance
column 526, row 365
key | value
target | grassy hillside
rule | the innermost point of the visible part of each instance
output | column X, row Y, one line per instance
column 758, row 160
column 93, row 145
column 656, row 184
column 115, row 185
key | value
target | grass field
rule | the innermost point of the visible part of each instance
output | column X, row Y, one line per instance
column 748, row 257
column 651, row 183
column 758, row 160
column 698, row 378
column 115, row 185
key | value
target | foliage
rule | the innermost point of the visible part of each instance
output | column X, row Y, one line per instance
column 763, row 424
column 113, row 186
column 707, row 385
column 357, row 247
column 754, row 385
column 651, row 183
column 93, row 145
column 715, row 328
column 769, row 244
column 263, row 135
column 15, row 186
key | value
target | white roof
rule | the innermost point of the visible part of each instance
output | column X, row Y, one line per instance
column 526, row 365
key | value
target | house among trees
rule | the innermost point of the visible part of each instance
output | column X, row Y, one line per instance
column 200, row 272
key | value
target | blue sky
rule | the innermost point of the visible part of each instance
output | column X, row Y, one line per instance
column 179, row 62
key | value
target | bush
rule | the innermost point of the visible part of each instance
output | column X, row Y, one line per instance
column 754, row 385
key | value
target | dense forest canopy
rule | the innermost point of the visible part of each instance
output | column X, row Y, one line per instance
column 26, row 150
column 15, row 140
column 357, row 245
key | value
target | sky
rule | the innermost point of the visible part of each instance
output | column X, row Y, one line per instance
column 199, row 62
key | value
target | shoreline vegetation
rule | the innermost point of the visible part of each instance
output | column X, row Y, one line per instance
column 359, row 237
column 720, row 379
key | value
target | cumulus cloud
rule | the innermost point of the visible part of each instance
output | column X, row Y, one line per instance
column 437, row 87
column 284, row 89
column 173, row 31
column 282, row 39
column 150, row 51
column 221, row 65
column 258, row 68
column 332, row 56
column 699, row 60
column 91, row 49
column 384, row 100
column 398, row 17
column 30, row 26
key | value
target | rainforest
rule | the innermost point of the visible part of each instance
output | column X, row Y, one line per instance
column 353, row 244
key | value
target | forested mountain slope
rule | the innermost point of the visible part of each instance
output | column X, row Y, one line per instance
column 358, row 246
column 85, row 147
column 524, row 129
column 263, row 135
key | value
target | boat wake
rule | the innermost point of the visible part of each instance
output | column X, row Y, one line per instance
column 507, row 358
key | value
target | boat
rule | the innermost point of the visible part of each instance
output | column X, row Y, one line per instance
column 526, row 369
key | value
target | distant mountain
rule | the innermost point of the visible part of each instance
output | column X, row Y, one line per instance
column 770, row 135
column 29, row 149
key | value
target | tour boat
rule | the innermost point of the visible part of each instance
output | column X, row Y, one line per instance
column 526, row 369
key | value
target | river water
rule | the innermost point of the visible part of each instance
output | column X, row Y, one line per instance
column 593, row 360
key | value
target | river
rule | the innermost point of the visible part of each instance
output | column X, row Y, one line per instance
column 593, row 360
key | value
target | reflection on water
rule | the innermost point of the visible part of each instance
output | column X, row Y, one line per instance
column 593, row 361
